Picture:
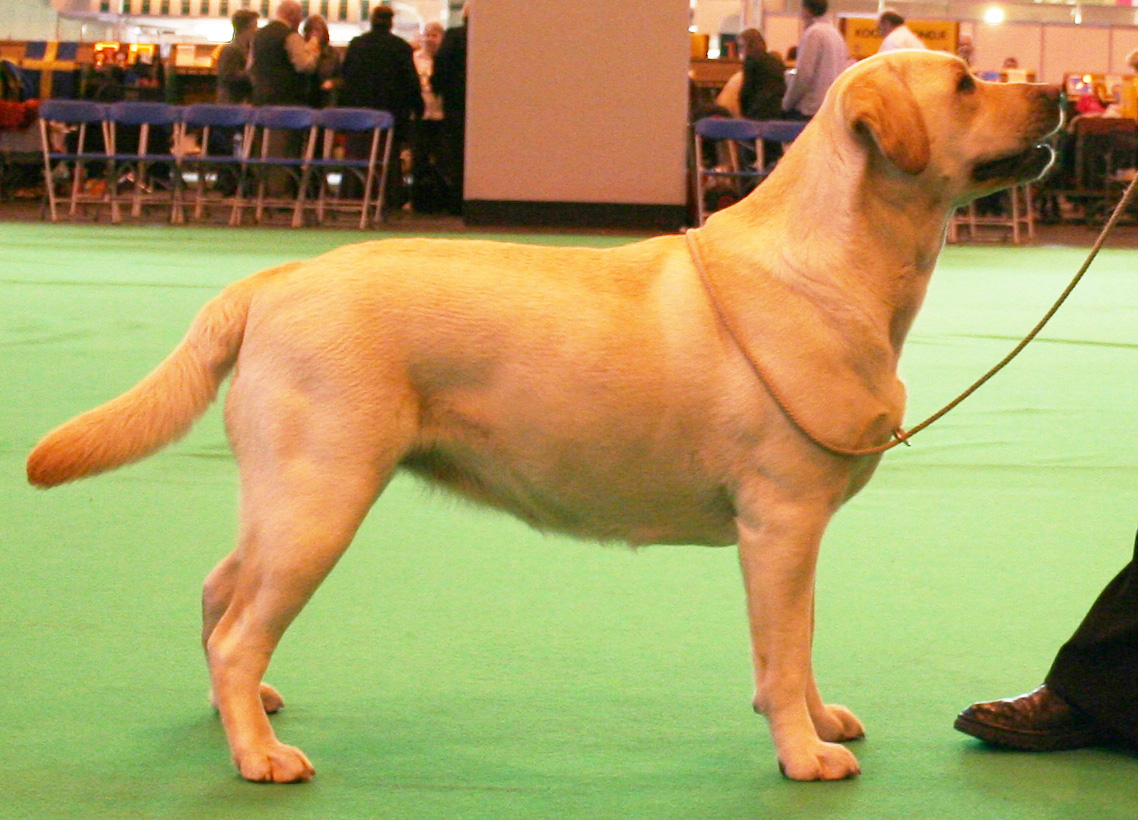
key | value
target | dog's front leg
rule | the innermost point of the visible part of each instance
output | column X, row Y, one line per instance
column 778, row 553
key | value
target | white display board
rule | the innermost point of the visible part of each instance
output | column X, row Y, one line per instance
column 1123, row 41
column 1069, row 49
column 580, row 102
column 994, row 44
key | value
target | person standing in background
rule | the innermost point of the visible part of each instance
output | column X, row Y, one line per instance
column 428, row 187
column 449, row 81
column 379, row 72
column 234, row 85
column 891, row 26
column 326, row 78
column 281, row 63
column 282, row 59
column 429, row 42
column 822, row 55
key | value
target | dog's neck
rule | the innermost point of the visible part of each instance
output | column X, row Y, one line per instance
column 872, row 242
column 823, row 269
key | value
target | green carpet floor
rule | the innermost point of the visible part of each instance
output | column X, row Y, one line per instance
column 458, row 665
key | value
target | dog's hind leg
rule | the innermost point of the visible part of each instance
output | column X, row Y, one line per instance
column 309, row 474
column 778, row 552
column 217, row 591
column 295, row 527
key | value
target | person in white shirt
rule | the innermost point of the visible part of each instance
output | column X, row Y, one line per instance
column 427, row 188
column 822, row 56
column 429, row 41
column 891, row 26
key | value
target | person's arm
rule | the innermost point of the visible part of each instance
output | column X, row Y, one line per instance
column 730, row 95
column 303, row 54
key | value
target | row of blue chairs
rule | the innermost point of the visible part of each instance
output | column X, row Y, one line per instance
column 140, row 153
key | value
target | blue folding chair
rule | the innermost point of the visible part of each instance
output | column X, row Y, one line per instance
column 784, row 131
column 740, row 157
column 216, row 167
column 331, row 169
column 71, row 153
column 283, row 139
column 733, row 138
column 139, row 137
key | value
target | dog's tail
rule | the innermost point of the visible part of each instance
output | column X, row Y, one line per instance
column 158, row 410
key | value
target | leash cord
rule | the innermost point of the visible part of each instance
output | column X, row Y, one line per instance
column 901, row 436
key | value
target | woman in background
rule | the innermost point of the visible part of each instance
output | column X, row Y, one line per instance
column 326, row 78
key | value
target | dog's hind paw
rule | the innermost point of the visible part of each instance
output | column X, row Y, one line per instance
column 837, row 724
column 271, row 700
column 825, row 761
column 275, row 763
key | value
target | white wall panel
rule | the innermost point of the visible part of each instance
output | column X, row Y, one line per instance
column 578, row 102
column 781, row 31
column 1069, row 49
column 1122, row 42
column 994, row 44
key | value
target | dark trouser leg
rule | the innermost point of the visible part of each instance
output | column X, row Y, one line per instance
column 221, row 145
column 1097, row 669
column 280, row 182
column 396, row 195
column 357, row 146
column 452, row 159
column 428, row 186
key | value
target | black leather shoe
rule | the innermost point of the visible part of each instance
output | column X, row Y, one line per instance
column 1039, row 721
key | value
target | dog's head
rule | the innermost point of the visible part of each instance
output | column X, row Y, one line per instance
column 927, row 115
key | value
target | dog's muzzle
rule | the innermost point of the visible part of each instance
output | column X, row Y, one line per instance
column 1031, row 164
column 1027, row 165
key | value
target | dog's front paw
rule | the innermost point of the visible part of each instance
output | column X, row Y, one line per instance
column 823, row 761
column 837, row 724
column 275, row 763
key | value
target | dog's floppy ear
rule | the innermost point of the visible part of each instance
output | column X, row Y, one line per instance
column 880, row 102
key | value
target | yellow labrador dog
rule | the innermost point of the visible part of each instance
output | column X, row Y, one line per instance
column 623, row 394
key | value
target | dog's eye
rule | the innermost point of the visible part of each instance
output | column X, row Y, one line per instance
column 966, row 85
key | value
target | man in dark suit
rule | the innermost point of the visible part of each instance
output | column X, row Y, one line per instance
column 1090, row 695
column 282, row 61
column 379, row 72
